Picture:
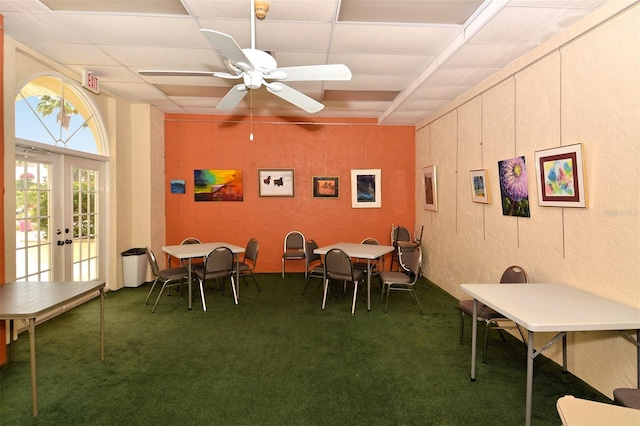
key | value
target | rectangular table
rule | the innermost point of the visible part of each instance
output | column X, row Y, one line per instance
column 551, row 308
column 28, row 300
column 360, row 251
column 190, row 251
column 582, row 412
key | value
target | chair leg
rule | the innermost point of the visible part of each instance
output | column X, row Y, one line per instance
column 283, row 268
column 256, row 283
column 233, row 288
column 306, row 285
column 355, row 297
column 158, row 298
column 324, row 297
column 204, row 303
column 415, row 298
column 461, row 325
column 386, row 305
column 486, row 340
column 150, row 290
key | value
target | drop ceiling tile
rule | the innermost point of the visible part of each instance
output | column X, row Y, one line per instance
column 527, row 25
column 76, row 54
column 279, row 10
column 392, row 39
column 439, row 92
column 486, row 55
column 166, row 58
column 368, row 63
column 305, row 36
column 429, row 12
column 38, row 27
column 136, row 30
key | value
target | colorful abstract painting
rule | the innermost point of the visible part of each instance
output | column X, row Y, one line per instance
column 217, row 185
column 560, row 177
column 514, row 189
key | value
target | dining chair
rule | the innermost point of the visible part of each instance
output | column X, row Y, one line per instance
column 398, row 234
column 171, row 277
column 249, row 261
column 218, row 264
column 338, row 267
column 377, row 265
column 183, row 262
column 411, row 260
column 293, row 249
column 492, row 319
column 627, row 397
column 313, row 263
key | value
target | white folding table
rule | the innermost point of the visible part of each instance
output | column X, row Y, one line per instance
column 28, row 300
column 582, row 412
column 551, row 308
column 190, row 251
column 360, row 251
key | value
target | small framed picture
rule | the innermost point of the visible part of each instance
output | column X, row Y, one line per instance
column 275, row 182
column 429, row 187
column 178, row 186
column 366, row 188
column 560, row 176
column 479, row 186
column 325, row 187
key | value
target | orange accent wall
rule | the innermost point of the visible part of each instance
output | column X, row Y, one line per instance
column 312, row 147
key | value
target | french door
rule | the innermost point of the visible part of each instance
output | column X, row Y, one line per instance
column 59, row 218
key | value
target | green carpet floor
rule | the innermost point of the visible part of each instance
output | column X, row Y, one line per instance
column 275, row 359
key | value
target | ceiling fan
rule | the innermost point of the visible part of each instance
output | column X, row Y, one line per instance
column 258, row 68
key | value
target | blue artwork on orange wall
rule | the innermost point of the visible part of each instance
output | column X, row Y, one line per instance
column 217, row 185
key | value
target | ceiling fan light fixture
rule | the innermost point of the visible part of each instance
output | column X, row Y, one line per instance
column 261, row 8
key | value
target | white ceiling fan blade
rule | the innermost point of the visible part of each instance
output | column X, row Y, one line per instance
column 227, row 47
column 293, row 96
column 170, row 73
column 233, row 97
column 314, row 73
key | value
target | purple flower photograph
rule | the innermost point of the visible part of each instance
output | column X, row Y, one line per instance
column 513, row 187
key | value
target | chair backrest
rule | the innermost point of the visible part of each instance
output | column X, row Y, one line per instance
column 338, row 263
column 400, row 233
column 514, row 275
column 190, row 240
column 294, row 240
column 370, row 241
column 152, row 261
column 219, row 260
column 411, row 260
column 251, row 251
column 310, row 256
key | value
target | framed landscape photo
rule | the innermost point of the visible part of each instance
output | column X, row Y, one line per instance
column 560, row 176
column 479, row 186
column 325, row 187
column 366, row 188
column 275, row 182
column 429, row 188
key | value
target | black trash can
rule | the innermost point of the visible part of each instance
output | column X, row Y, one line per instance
column 134, row 267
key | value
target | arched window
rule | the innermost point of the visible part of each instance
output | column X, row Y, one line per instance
column 52, row 111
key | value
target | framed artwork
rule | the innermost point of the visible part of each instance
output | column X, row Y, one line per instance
column 479, row 186
column 325, row 187
column 275, row 182
column 560, row 176
column 217, row 185
column 513, row 187
column 430, row 189
column 178, row 186
column 366, row 188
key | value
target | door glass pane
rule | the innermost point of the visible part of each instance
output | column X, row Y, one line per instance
column 85, row 224
column 33, row 196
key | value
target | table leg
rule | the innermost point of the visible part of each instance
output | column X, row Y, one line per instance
column 190, row 298
column 638, row 355
column 32, row 349
column 237, row 277
column 564, row 353
column 11, row 346
column 368, row 284
column 474, row 338
column 102, row 324
column 529, row 396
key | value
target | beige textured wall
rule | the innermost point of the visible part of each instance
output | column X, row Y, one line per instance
column 580, row 87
